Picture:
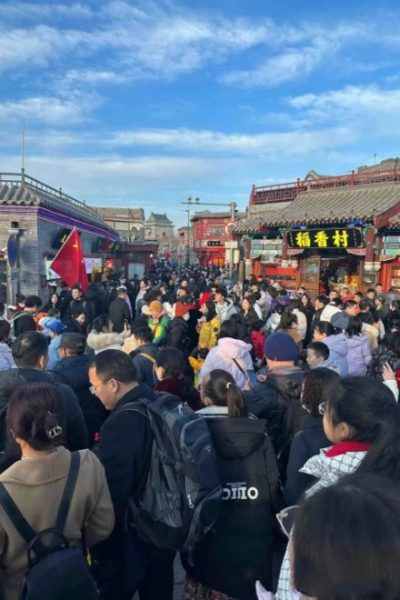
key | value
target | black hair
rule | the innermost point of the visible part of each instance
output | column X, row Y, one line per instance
column 144, row 334
column 346, row 541
column 354, row 326
column 349, row 304
column 223, row 391
column 211, row 310
column 320, row 349
column 394, row 342
column 222, row 291
column 365, row 304
column 173, row 361
column 32, row 415
column 323, row 299
column 5, row 329
column 32, row 301
column 287, row 320
column 229, row 328
column 325, row 327
column 76, row 286
column 315, row 384
column 28, row 348
column 115, row 364
column 257, row 325
column 336, row 301
column 100, row 322
column 371, row 411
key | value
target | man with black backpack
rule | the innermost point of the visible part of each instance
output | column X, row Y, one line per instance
column 125, row 562
column 163, row 477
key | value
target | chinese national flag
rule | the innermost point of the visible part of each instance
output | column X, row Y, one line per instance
column 69, row 262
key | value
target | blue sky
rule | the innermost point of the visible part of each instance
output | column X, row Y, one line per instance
column 144, row 103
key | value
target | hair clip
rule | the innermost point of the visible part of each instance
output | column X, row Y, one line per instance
column 54, row 432
column 228, row 385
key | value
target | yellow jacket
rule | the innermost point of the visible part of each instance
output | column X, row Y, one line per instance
column 208, row 333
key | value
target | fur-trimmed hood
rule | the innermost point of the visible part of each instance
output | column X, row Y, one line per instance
column 104, row 341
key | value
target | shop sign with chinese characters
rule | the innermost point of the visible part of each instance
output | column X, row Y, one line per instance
column 326, row 238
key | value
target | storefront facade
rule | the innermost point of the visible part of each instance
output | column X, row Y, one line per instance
column 331, row 237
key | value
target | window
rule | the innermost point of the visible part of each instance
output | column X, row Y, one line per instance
column 215, row 231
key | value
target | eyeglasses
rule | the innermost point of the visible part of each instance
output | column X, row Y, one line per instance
column 322, row 408
column 93, row 388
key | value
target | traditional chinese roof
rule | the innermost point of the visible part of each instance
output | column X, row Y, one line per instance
column 259, row 217
column 122, row 214
column 159, row 219
column 207, row 214
column 31, row 192
column 335, row 205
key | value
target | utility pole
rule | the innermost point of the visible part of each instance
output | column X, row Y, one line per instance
column 23, row 153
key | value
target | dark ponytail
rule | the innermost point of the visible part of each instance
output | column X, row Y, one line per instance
column 369, row 407
column 223, row 391
column 33, row 415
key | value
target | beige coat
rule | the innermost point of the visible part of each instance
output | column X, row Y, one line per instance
column 36, row 486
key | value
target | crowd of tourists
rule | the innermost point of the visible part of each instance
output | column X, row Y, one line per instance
column 247, row 432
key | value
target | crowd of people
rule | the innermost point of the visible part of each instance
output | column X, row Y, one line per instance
column 260, row 424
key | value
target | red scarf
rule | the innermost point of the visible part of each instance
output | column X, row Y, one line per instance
column 344, row 447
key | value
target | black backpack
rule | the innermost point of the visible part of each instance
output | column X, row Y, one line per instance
column 58, row 571
column 181, row 497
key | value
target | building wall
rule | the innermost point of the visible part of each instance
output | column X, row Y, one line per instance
column 209, row 237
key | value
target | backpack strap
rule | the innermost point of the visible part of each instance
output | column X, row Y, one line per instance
column 19, row 521
column 68, row 491
column 148, row 356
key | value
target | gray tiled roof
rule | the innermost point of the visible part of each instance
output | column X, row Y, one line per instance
column 255, row 222
column 17, row 195
column 108, row 212
column 332, row 205
column 160, row 219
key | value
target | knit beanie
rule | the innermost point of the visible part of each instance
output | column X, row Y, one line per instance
column 281, row 347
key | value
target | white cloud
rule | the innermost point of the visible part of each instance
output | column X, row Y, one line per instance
column 206, row 141
column 309, row 47
column 50, row 110
column 359, row 99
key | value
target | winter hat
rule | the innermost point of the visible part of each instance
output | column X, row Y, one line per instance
column 205, row 297
column 281, row 347
column 55, row 325
column 181, row 309
column 155, row 305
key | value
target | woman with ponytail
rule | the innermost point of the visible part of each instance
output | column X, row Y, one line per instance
column 238, row 551
column 362, row 421
column 36, row 483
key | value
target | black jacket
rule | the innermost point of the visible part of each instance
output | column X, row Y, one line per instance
column 70, row 414
column 74, row 371
column 124, row 449
column 23, row 322
column 277, row 400
column 178, row 334
column 306, row 443
column 238, row 550
column 118, row 311
column 144, row 364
